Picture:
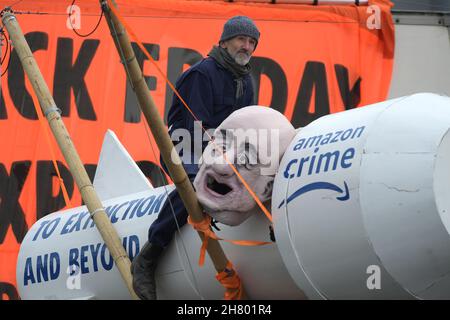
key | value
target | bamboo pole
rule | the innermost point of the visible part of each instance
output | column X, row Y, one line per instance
column 160, row 133
column 71, row 156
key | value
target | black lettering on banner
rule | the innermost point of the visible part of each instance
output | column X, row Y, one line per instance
column 71, row 76
column 9, row 290
column 314, row 77
column 46, row 202
column 20, row 97
column 132, row 110
column 153, row 172
column 177, row 58
column 10, row 210
column 275, row 73
column 3, row 114
column 90, row 169
column 350, row 98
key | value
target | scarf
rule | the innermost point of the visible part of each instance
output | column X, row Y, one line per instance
column 238, row 71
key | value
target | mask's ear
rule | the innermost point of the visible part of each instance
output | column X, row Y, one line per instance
column 267, row 194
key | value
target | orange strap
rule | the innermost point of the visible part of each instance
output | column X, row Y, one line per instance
column 150, row 58
column 231, row 281
column 204, row 226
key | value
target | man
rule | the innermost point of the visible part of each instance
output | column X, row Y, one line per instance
column 213, row 88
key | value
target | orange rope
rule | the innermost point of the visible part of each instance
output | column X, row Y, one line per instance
column 231, row 281
column 204, row 226
column 52, row 152
column 147, row 54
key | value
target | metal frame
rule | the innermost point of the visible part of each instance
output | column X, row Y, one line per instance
column 421, row 18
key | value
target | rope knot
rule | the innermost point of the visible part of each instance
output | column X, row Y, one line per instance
column 204, row 227
column 231, row 281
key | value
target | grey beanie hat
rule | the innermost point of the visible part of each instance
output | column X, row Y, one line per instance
column 239, row 25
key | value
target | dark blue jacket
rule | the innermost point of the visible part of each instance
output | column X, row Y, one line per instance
column 210, row 92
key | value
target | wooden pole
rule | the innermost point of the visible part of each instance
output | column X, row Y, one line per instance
column 161, row 135
column 71, row 156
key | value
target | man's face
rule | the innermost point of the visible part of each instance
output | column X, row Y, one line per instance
column 240, row 48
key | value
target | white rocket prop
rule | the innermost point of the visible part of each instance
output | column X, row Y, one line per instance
column 64, row 257
column 361, row 208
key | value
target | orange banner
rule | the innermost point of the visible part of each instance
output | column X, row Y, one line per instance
column 310, row 61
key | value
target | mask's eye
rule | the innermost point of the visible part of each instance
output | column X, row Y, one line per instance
column 249, row 165
column 218, row 149
column 244, row 159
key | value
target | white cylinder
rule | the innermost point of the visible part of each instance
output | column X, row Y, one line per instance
column 362, row 202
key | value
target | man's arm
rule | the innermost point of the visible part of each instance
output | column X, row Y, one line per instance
column 197, row 92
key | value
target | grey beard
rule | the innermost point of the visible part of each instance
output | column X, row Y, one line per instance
column 241, row 59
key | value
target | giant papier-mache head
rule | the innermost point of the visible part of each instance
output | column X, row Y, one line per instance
column 253, row 139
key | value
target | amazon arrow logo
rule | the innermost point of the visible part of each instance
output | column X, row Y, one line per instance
column 317, row 186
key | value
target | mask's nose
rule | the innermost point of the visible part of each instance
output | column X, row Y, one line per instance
column 221, row 164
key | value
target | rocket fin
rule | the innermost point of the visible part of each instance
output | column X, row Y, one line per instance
column 117, row 174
